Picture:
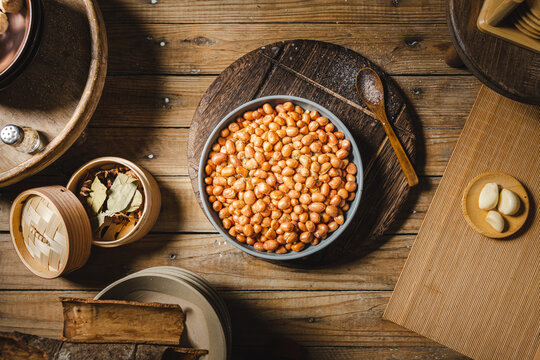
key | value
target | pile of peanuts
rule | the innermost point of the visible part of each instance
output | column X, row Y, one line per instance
column 280, row 178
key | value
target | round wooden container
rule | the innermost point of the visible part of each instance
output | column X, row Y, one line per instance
column 59, row 89
column 50, row 231
column 151, row 195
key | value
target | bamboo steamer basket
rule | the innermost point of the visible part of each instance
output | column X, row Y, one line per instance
column 50, row 231
column 151, row 196
column 50, row 228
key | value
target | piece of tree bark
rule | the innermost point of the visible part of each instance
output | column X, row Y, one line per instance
column 116, row 321
column 18, row 346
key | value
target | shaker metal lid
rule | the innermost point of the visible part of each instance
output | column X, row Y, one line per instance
column 10, row 134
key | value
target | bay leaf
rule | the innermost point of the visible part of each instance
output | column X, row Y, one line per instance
column 135, row 202
column 121, row 193
column 125, row 179
column 97, row 195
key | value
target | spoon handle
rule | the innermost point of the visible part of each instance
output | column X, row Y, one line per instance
column 403, row 159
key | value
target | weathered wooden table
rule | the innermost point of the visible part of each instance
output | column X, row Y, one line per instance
column 163, row 54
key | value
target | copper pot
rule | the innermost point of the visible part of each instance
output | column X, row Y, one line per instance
column 17, row 49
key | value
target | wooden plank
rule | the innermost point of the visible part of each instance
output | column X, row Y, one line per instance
column 410, row 219
column 182, row 213
column 348, row 353
column 170, row 101
column 321, row 318
column 283, row 11
column 150, row 101
column 477, row 295
column 160, row 150
column 208, row 49
column 222, row 264
column 119, row 321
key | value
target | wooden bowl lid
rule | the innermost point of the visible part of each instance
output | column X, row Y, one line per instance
column 50, row 231
column 476, row 217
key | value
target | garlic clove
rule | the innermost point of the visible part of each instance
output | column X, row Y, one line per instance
column 508, row 202
column 489, row 196
column 495, row 220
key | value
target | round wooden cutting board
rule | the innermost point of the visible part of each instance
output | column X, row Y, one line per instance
column 323, row 73
column 58, row 92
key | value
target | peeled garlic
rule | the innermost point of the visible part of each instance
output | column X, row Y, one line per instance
column 11, row 6
column 508, row 203
column 495, row 220
column 489, row 196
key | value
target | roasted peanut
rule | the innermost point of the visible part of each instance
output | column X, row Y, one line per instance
column 280, row 178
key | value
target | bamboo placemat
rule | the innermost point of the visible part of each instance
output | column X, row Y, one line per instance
column 477, row 295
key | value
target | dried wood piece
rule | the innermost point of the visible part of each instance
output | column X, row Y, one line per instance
column 169, row 353
column 11, row 347
column 184, row 353
column 116, row 321
column 18, row 346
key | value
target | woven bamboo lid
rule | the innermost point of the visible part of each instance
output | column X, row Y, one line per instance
column 50, row 231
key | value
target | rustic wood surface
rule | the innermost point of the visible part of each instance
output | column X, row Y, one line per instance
column 105, row 321
column 324, row 73
column 453, row 272
column 59, row 91
column 509, row 69
column 162, row 58
column 19, row 346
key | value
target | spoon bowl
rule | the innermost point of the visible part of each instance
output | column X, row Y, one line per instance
column 370, row 89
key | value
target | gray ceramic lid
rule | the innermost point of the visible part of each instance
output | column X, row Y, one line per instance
column 10, row 134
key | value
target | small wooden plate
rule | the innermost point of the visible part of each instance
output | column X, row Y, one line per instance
column 476, row 217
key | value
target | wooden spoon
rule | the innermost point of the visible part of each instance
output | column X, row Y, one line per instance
column 370, row 89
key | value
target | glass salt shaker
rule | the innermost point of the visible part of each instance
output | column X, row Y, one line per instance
column 22, row 138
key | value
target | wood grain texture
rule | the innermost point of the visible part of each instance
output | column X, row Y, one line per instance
column 203, row 38
column 59, row 91
column 18, row 346
column 219, row 262
column 493, row 60
column 307, row 69
column 170, row 101
column 159, row 149
column 477, row 295
column 184, row 215
column 118, row 321
column 348, row 353
column 320, row 11
column 311, row 318
column 207, row 49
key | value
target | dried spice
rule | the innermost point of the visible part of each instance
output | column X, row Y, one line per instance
column 112, row 197
column 97, row 195
column 121, row 193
